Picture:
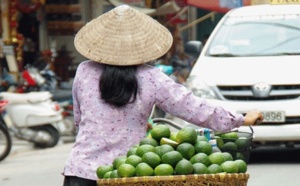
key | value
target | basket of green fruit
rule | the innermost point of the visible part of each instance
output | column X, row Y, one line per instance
column 173, row 158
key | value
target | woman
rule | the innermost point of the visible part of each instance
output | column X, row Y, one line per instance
column 115, row 90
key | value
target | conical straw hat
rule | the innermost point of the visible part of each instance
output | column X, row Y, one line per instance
column 123, row 36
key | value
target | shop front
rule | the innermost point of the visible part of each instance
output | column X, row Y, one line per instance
column 43, row 30
column 38, row 32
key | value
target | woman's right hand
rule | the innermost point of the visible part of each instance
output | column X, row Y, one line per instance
column 253, row 117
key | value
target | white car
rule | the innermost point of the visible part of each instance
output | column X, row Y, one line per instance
column 252, row 61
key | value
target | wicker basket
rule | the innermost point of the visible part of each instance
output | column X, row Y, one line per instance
column 221, row 179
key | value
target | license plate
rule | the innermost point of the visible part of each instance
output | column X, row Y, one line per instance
column 273, row 116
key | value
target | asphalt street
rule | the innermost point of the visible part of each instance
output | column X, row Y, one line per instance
column 28, row 166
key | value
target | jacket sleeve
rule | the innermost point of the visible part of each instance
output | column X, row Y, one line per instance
column 178, row 101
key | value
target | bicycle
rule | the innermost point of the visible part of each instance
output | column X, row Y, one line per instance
column 5, row 138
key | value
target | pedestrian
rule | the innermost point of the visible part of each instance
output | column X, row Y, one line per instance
column 114, row 92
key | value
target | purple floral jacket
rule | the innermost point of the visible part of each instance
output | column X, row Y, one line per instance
column 105, row 131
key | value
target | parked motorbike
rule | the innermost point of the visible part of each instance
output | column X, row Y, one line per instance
column 5, row 138
column 36, row 80
column 33, row 117
column 62, row 96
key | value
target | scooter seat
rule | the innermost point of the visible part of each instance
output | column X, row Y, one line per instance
column 31, row 97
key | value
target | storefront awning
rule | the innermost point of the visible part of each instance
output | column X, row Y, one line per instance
column 221, row 6
column 168, row 8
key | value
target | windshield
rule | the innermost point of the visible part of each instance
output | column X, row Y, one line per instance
column 257, row 36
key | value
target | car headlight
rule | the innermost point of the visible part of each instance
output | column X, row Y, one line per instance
column 199, row 88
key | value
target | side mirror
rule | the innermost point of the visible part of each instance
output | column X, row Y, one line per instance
column 193, row 48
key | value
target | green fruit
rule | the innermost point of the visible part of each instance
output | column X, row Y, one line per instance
column 186, row 135
column 163, row 170
column 184, row 167
column 141, row 150
column 173, row 136
column 227, row 156
column 242, row 166
column 168, row 141
column 143, row 169
column 216, row 158
column 230, row 167
column 107, row 175
column 159, row 131
column 214, row 169
column 149, row 141
column 114, row 174
column 204, row 147
column 151, row 159
column 240, row 156
column 119, row 160
column 102, row 170
column 126, row 170
column 200, row 168
column 131, row 151
column 162, row 149
column 122, row 161
column 230, row 135
column 171, row 158
column 220, row 141
column 200, row 158
column 231, row 146
column 133, row 160
column 187, row 150
column 242, row 143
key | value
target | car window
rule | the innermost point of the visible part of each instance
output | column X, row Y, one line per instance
column 257, row 36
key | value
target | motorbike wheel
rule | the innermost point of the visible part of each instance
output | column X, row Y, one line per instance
column 48, row 130
column 5, row 142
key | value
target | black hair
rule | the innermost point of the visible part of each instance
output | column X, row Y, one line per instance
column 118, row 84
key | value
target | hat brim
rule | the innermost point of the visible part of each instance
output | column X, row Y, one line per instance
column 123, row 36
